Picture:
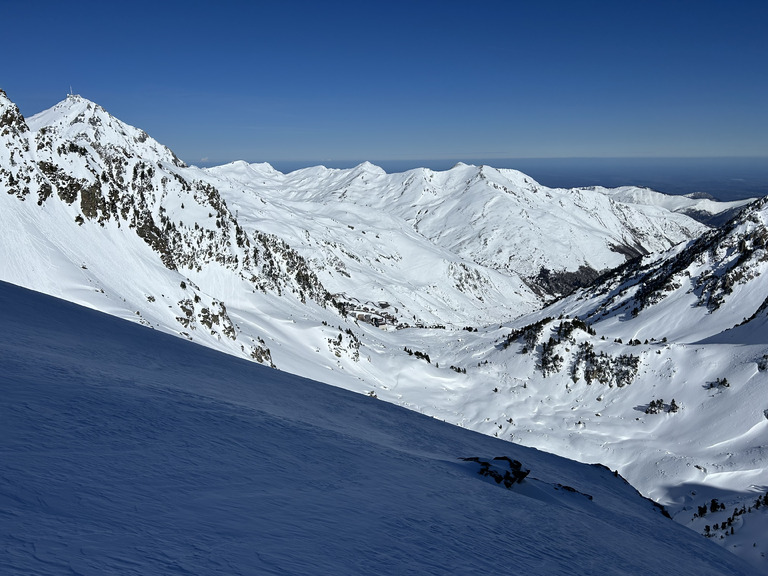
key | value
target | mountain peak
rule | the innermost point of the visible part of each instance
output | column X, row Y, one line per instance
column 242, row 170
column 78, row 98
column 77, row 119
column 74, row 109
column 369, row 168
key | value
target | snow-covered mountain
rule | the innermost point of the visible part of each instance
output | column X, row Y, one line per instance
column 127, row 451
column 426, row 289
column 500, row 220
column 660, row 370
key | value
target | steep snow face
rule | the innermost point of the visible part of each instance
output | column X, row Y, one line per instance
column 127, row 451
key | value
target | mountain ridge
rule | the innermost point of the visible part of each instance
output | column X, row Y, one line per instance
column 322, row 273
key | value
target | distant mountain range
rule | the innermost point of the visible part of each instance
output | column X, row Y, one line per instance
column 564, row 319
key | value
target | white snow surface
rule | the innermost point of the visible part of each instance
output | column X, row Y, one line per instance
column 434, row 252
column 673, row 203
column 126, row 451
column 498, row 218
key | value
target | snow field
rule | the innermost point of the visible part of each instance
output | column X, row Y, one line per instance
column 127, row 451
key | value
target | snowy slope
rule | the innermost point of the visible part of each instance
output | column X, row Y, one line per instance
column 704, row 209
column 126, row 451
column 100, row 214
column 294, row 270
column 365, row 253
column 663, row 376
column 499, row 219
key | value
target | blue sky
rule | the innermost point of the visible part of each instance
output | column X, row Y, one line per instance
column 336, row 80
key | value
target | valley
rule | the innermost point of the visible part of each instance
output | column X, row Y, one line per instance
column 609, row 326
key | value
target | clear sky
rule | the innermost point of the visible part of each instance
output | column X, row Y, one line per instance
column 336, row 80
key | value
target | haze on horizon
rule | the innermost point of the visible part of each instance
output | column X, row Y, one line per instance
column 340, row 81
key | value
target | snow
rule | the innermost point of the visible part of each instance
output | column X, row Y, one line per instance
column 127, row 451
column 466, row 210
column 417, row 241
column 683, row 204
